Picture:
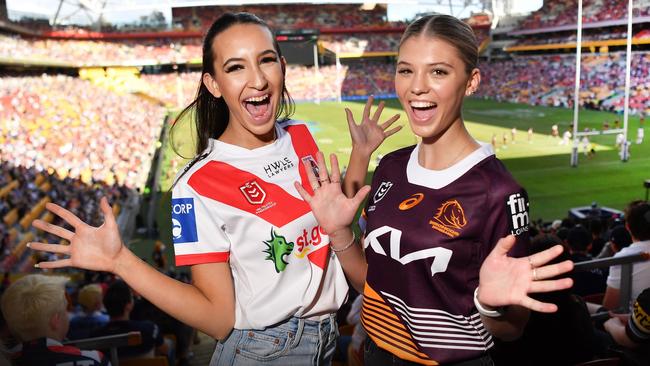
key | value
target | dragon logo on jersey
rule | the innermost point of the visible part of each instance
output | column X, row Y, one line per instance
column 449, row 218
column 382, row 191
column 277, row 248
column 411, row 202
column 253, row 192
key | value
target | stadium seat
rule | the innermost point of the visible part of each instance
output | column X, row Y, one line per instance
column 8, row 188
column 11, row 217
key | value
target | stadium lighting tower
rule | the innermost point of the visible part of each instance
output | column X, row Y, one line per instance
column 92, row 8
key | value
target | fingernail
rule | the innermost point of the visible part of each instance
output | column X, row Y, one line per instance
column 37, row 265
column 29, row 245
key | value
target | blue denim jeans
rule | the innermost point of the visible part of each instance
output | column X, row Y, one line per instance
column 295, row 341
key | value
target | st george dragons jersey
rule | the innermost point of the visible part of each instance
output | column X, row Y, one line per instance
column 241, row 206
column 426, row 236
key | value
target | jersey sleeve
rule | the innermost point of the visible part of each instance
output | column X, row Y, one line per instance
column 509, row 214
column 196, row 229
column 638, row 327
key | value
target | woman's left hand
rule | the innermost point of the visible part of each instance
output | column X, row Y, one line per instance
column 505, row 280
column 332, row 209
column 369, row 134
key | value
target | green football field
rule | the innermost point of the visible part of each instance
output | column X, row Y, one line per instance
column 540, row 164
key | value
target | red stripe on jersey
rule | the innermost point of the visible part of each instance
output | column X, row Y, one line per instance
column 304, row 145
column 222, row 182
column 190, row 259
column 69, row 350
column 320, row 256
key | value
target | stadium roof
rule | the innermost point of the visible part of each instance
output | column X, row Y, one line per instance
column 91, row 11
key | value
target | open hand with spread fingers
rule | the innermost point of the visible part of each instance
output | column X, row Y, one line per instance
column 332, row 209
column 92, row 248
column 505, row 280
column 369, row 133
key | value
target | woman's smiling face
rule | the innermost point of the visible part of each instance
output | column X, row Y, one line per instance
column 431, row 81
column 249, row 76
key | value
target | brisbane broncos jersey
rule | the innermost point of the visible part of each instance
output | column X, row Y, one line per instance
column 240, row 206
column 426, row 236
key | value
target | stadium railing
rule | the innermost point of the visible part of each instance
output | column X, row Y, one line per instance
column 626, row 263
column 111, row 342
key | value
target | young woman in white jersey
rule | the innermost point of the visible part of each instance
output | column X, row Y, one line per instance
column 263, row 280
column 438, row 283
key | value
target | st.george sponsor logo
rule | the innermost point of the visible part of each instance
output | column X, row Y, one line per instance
column 449, row 218
column 517, row 205
column 411, row 202
column 308, row 241
column 183, row 221
column 278, row 167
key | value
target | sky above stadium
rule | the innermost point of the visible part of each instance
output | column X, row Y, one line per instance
column 126, row 11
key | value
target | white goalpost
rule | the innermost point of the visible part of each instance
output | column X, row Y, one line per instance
column 577, row 135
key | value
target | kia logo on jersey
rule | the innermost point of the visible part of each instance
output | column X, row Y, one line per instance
column 183, row 221
column 253, row 192
column 382, row 191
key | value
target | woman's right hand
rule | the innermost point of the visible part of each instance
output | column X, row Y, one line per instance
column 332, row 209
column 92, row 248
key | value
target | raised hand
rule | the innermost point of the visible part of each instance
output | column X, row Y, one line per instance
column 505, row 280
column 369, row 134
column 93, row 248
column 332, row 209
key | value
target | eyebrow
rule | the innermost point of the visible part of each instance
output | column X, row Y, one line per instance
column 429, row 64
column 265, row 52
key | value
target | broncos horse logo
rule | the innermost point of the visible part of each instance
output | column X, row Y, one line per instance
column 450, row 216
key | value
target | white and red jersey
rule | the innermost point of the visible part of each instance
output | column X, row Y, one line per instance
column 241, row 206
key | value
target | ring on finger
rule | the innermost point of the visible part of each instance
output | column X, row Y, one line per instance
column 324, row 180
column 335, row 181
column 534, row 274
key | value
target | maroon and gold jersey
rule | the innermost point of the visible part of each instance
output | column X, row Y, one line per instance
column 426, row 235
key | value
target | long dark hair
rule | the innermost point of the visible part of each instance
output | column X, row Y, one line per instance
column 210, row 114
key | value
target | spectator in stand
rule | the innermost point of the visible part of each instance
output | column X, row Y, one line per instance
column 637, row 221
column 569, row 332
column 91, row 317
column 589, row 282
column 632, row 331
column 35, row 309
column 119, row 303
column 619, row 238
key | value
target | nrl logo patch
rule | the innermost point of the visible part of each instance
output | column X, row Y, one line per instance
column 253, row 192
column 382, row 191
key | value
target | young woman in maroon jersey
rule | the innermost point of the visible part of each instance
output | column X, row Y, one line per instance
column 443, row 264
column 237, row 222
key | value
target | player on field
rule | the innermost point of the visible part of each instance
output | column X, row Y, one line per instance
column 437, row 282
column 264, row 280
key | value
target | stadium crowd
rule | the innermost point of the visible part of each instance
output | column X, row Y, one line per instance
column 564, row 12
column 550, row 80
